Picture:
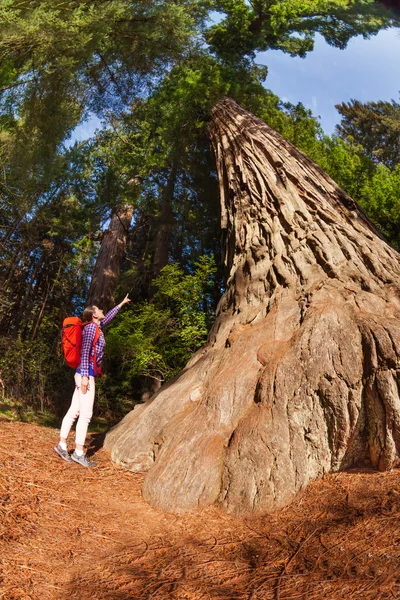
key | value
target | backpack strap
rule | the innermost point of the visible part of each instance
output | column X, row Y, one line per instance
column 95, row 340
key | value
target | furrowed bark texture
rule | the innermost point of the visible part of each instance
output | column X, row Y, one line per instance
column 300, row 375
column 108, row 263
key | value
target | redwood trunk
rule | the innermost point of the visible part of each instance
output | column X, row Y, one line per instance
column 108, row 263
column 300, row 376
column 165, row 225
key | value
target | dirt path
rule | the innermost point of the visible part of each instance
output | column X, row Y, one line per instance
column 73, row 533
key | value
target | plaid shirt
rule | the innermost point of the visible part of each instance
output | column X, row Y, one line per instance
column 88, row 334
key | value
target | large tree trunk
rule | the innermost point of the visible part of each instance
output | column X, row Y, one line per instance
column 108, row 263
column 165, row 226
column 300, row 375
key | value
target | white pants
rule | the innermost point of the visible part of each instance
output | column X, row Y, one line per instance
column 82, row 407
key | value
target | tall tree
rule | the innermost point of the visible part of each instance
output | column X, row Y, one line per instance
column 165, row 224
column 43, row 231
column 300, row 374
column 375, row 126
column 92, row 50
column 108, row 264
column 60, row 63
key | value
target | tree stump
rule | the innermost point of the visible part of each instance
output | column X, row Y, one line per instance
column 300, row 375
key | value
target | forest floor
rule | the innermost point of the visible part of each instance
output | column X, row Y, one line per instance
column 72, row 533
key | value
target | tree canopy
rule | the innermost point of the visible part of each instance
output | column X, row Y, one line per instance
column 291, row 25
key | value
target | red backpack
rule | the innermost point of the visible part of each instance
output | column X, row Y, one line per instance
column 71, row 341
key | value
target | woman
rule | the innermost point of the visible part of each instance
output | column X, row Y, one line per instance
column 83, row 398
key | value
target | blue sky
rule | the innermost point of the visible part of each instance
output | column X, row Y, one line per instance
column 84, row 130
column 365, row 70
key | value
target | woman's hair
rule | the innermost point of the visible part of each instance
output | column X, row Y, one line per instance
column 88, row 313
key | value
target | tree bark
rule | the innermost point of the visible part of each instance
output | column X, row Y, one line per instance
column 9, row 273
column 40, row 262
column 108, row 263
column 164, row 227
column 49, row 291
column 10, row 233
column 301, row 373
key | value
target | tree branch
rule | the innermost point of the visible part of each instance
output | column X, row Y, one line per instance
column 9, row 87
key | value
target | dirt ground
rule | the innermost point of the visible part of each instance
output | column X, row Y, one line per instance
column 72, row 533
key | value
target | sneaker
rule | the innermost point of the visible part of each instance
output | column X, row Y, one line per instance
column 82, row 460
column 64, row 454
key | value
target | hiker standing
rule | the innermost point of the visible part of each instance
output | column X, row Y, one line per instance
column 93, row 344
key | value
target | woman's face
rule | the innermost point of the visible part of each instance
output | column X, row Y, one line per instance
column 98, row 313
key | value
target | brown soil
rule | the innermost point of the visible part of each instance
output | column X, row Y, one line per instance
column 72, row 533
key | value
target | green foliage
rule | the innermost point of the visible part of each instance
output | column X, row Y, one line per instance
column 92, row 43
column 33, row 372
column 375, row 126
column 291, row 25
column 60, row 61
column 46, row 252
column 14, row 409
column 380, row 197
column 156, row 339
column 343, row 162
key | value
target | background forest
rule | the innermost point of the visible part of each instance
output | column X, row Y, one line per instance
column 140, row 200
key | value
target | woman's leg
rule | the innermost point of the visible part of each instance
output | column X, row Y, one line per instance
column 73, row 412
column 86, row 402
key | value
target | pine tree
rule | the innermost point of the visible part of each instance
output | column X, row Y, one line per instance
column 375, row 126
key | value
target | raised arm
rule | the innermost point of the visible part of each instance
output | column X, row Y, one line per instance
column 109, row 316
column 114, row 311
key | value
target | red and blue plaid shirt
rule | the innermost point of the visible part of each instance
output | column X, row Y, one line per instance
column 87, row 354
